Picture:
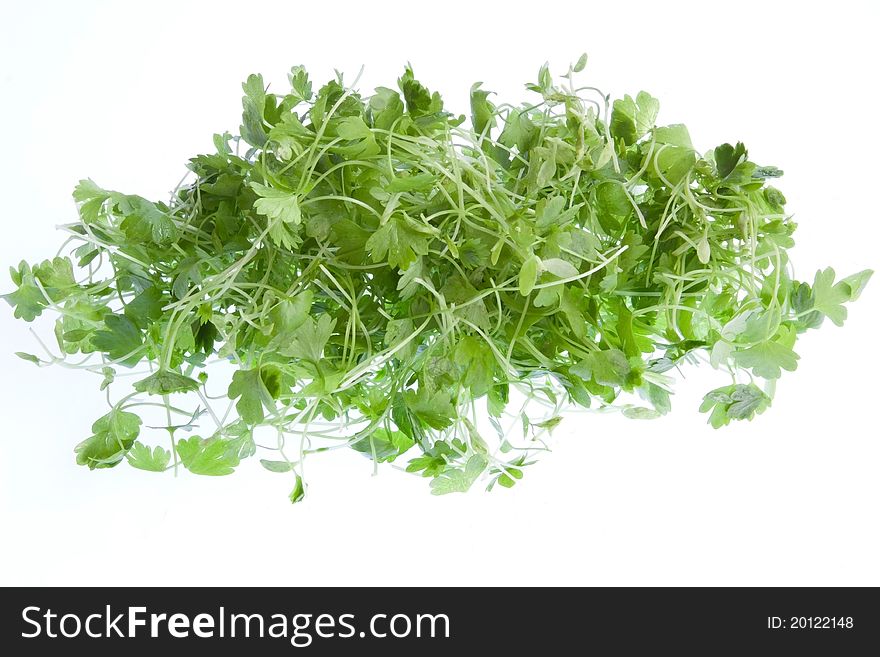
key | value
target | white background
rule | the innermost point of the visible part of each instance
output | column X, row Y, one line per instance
column 124, row 93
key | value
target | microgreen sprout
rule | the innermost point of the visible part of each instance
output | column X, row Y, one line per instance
column 376, row 273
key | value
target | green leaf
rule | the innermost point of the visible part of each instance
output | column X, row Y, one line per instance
column 727, row 157
column 427, row 466
column 385, row 445
column 857, row 283
column 417, row 183
column 828, row 297
column 212, row 456
column 300, row 85
column 640, row 413
column 552, row 213
column 769, row 172
column 120, row 339
column 387, row 108
column 734, row 402
column 253, row 103
column 559, row 268
column 519, row 132
column 545, row 81
column 674, row 157
column 362, row 141
column 290, row 137
column 240, row 438
column 477, row 363
column 631, row 119
column 145, row 221
column 91, row 200
column 112, row 436
column 613, row 206
column 277, row 204
column 28, row 357
column 497, row 399
column 109, row 376
column 549, row 424
column 299, row 492
column 482, row 111
column 510, row 476
column 609, row 367
column 399, row 241
column 396, row 331
column 255, row 388
column 767, row 359
column 146, row 307
column 186, row 275
column 459, row 480
column 419, row 101
column 276, row 466
column 140, row 457
column 433, row 409
column 247, row 386
column 28, row 301
column 56, row 275
column 287, row 316
column 165, row 382
column 328, row 97
column 528, row 275
column 309, row 339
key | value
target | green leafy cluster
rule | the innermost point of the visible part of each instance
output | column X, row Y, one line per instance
column 383, row 275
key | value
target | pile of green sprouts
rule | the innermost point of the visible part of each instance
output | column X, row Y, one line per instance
column 380, row 274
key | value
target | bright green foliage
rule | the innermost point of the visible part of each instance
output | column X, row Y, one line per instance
column 254, row 388
column 399, row 241
column 275, row 204
column 299, row 491
column 144, row 220
column 141, row 457
column 164, row 382
column 829, row 297
column 28, row 300
column 383, row 445
column 112, row 437
column 632, row 119
column 378, row 275
column 734, row 402
column 120, row 339
column 459, row 480
column 214, row 456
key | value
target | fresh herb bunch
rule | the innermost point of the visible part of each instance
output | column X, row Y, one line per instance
column 376, row 270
